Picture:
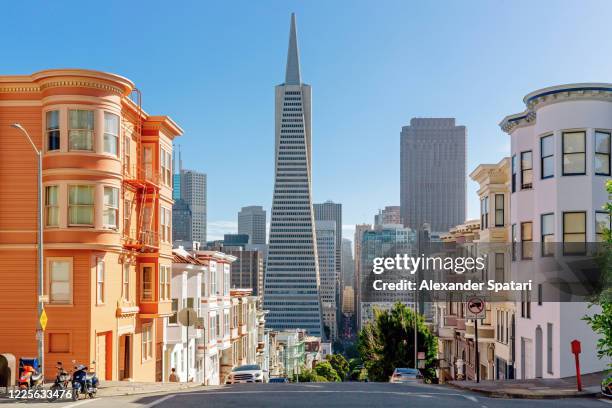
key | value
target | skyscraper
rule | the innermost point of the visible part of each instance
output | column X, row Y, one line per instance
column 326, row 252
column 181, row 221
column 193, row 191
column 292, row 274
column 348, row 264
column 433, row 173
column 360, row 229
column 390, row 215
column 252, row 221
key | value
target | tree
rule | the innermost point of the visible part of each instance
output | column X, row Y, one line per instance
column 325, row 370
column 308, row 375
column 339, row 363
column 388, row 342
column 601, row 322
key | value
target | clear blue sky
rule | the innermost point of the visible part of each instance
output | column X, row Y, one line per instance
column 373, row 65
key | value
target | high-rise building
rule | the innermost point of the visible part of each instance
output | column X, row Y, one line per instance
column 360, row 229
column 330, row 211
column 433, row 173
column 252, row 221
column 247, row 270
column 326, row 251
column 292, row 272
column 193, row 191
column 390, row 215
column 181, row 221
column 348, row 264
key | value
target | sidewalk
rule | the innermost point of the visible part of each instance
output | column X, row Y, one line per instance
column 537, row 388
column 117, row 388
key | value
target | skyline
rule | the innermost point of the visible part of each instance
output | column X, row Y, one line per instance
column 383, row 75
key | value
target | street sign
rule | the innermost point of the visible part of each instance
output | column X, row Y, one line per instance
column 43, row 320
column 187, row 317
column 475, row 308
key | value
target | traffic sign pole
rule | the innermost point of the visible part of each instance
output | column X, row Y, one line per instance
column 477, row 353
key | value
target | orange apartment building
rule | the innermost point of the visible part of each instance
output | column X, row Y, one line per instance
column 107, row 182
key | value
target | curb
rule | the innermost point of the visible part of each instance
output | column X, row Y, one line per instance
column 141, row 392
column 516, row 395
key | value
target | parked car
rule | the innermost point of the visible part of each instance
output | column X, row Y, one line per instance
column 250, row 373
column 279, row 380
column 401, row 375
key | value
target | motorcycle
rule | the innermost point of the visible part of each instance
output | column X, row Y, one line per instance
column 61, row 383
column 84, row 381
column 29, row 376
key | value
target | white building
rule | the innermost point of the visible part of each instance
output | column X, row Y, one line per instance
column 560, row 162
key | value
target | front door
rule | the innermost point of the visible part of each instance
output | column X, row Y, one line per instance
column 125, row 357
column 101, row 356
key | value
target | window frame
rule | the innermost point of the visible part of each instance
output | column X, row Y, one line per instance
column 100, row 281
column 125, row 282
column 523, row 241
column 544, row 248
column 599, row 235
column 514, row 168
column 502, row 209
column 484, row 212
column 49, row 281
column 528, row 186
column 106, row 208
column 92, row 205
column 48, row 130
column 147, row 342
column 563, row 154
column 550, row 156
column 91, row 134
column 596, row 153
column 115, row 136
column 164, row 282
column 574, row 233
column 49, row 206
column 142, row 296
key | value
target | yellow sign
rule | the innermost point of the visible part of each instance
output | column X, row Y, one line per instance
column 43, row 320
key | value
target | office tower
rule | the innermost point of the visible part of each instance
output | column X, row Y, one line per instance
column 348, row 264
column 433, row 173
column 193, row 191
column 181, row 221
column 292, row 272
column 384, row 242
column 247, row 270
column 390, row 215
column 252, row 221
column 235, row 240
column 326, row 251
column 359, row 231
column 330, row 211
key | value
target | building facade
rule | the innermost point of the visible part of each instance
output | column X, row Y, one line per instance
column 252, row 221
column 360, row 229
column 326, row 249
column 560, row 147
column 107, row 193
column 193, row 191
column 292, row 270
column 433, row 173
column 181, row 221
column 390, row 215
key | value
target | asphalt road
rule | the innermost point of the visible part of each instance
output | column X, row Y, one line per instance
column 367, row 395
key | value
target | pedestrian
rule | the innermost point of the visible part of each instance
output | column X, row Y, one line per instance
column 173, row 377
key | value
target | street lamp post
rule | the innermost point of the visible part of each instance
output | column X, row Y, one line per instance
column 40, row 334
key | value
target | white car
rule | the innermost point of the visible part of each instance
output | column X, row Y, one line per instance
column 401, row 375
column 251, row 373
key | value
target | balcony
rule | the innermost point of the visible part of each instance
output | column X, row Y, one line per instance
column 126, row 309
column 154, row 309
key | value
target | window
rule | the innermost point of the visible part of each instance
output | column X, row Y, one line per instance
column 499, row 210
column 574, row 232
column 127, row 213
column 81, row 205
column 548, row 234
column 526, row 170
column 514, row 173
column 147, row 283
column 526, row 304
column 540, row 294
column 81, row 128
column 165, row 227
column 499, row 267
column 174, row 318
column 111, row 207
column 213, row 281
column 547, row 152
column 60, row 281
column 226, row 322
column 166, row 167
column 127, row 152
column 125, row 288
column 574, row 148
column 549, row 348
column 484, row 213
column 602, row 224
column 59, row 343
column 111, row 133
column 53, row 130
column 100, row 281
column 514, row 241
column 147, row 341
column 51, row 206
column 526, row 240
column 602, row 153
column 164, row 282
column 147, row 158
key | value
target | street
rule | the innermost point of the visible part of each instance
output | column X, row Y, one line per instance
column 348, row 394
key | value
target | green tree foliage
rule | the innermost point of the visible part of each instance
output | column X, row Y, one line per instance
column 601, row 322
column 388, row 342
column 325, row 370
column 308, row 375
column 339, row 363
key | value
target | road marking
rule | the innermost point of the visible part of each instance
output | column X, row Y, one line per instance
column 608, row 401
column 81, row 402
column 159, row 401
column 414, row 394
column 471, row 398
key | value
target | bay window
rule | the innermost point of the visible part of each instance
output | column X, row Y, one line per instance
column 514, row 168
column 146, row 283
column 602, row 153
column 526, row 240
column 81, row 205
column 484, row 213
column 526, row 170
column 164, row 282
column 81, row 130
column 53, row 130
column 602, row 224
column 52, row 206
column 111, row 133
column 574, row 153
column 111, row 207
column 499, row 210
column 548, row 234
column 547, row 154
column 574, row 232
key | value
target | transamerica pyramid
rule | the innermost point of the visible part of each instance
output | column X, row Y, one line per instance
column 291, row 290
